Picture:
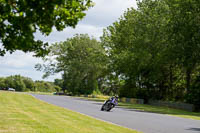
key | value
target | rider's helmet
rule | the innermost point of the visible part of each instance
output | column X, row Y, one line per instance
column 112, row 97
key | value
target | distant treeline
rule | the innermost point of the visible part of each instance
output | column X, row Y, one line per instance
column 20, row 83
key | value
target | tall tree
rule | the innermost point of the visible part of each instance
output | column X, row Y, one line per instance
column 29, row 83
column 20, row 19
column 82, row 61
column 184, row 32
column 136, row 44
column 155, row 48
column 2, row 83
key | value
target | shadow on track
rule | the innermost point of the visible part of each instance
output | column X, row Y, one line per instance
column 194, row 129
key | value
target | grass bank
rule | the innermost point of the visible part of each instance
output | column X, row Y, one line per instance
column 162, row 110
column 22, row 113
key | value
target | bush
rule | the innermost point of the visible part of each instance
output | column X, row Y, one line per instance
column 20, row 83
column 193, row 97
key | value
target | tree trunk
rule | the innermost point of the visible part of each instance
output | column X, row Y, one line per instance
column 188, row 79
column 170, row 77
column 171, row 81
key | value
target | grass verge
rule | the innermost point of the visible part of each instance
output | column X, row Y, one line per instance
column 162, row 110
column 22, row 113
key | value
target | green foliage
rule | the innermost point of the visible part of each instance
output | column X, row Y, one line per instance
column 136, row 44
column 151, row 52
column 15, row 82
column 155, row 48
column 193, row 96
column 20, row 19
column 82, row 61
column 29, row 83
column 57, row 88
column 2, row 83
column 43, row 86
column 58, row 82
column 97, row 92
column 20, row 83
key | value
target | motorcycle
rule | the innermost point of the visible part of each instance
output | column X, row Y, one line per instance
column 109, row 104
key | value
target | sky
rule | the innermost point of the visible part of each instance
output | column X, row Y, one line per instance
column 97, row 18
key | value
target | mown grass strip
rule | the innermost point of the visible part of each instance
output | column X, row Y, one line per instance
column 22, row 113
column 162, row 110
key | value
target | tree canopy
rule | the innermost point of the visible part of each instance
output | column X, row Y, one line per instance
column 81, row 60
column 20, row 19
column 151, row 52
column 156, row 49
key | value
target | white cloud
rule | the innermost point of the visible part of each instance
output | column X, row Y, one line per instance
column 18, row 60
column 103, row 14
column 26, row 72
column 21, row 63
column 56, row 36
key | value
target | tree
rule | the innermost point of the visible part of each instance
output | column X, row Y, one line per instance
column 2, row 83
column 18, row 83
column 15, row 82
column 43, row 86
column 9, row 82
column 155, row 48
column 57, row 88
column 184, row 25
column 136, row 45
column 59, row 82
column 29, row 83
column 184, row 32
column 82, row 61
column 20, row 19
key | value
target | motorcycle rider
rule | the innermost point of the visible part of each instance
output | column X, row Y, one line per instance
column 113, row 101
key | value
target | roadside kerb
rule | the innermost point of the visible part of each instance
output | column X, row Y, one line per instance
column 132, row 100
column 183, row 106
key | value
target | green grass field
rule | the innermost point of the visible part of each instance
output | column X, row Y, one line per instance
column 155, row 109
column 22, row 113
column 162, row 110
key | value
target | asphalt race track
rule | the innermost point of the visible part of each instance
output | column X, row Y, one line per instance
column 138, row 120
